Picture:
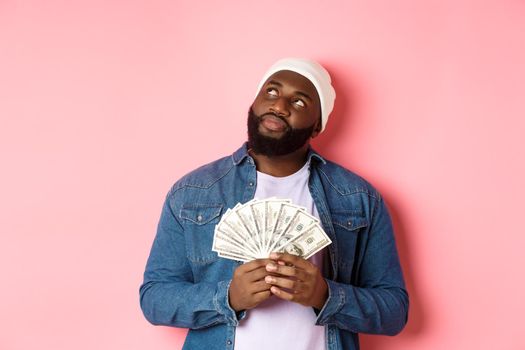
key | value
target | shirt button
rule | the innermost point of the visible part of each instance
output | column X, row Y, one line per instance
column 251, row 184
column 349, row 223
column 199, row 217
column 229, row 342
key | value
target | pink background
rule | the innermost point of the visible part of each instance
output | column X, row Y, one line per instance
column 104, row 104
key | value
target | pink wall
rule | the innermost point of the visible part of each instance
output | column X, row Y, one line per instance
column 104, row 104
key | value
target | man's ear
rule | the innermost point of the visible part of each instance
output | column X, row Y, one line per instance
column 317, row 128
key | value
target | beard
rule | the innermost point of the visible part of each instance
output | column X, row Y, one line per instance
column 290, row 141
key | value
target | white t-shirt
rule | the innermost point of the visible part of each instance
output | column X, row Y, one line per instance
column 275, row 323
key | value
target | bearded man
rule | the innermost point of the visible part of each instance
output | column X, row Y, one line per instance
column 282, row 301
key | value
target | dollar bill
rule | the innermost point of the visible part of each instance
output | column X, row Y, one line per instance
column 307, row 244
column 272, row 210
column 256, row 228
column 236, row 232
column 232, row 256
column 244, row 213
column 246, row 241
column 300, row 223
column 226, row 243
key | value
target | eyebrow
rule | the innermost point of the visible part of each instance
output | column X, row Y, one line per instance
column 304, row 94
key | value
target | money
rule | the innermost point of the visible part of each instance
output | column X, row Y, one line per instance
column 256, row 228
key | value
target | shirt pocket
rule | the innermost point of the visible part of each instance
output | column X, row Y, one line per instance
column 348, row 226
column 199, row 222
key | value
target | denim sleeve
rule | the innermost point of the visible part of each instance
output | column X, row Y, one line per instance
column 168, row 295
column 378, row 304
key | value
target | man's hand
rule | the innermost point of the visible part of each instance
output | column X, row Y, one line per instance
column 296, row 279
column 248, row 287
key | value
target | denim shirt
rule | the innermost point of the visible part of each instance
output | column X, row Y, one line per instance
column 186, row 283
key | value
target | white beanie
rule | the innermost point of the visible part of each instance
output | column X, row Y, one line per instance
column 314, row 72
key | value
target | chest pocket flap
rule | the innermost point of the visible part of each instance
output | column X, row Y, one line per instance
column 200, row 214
column 350, row 220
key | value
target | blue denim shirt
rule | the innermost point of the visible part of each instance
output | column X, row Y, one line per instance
column 186, row 283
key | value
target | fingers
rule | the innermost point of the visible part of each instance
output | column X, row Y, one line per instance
column 293, row 285
column 261, row 296
column 260, row 286
column 248, row 288
column 253, row 265
column 256, row 275
column 289, row 271
column 278, row 292
column 251, row 271
column 298, row 292
column 292, row 260
column 286, row 276
column 295, row 279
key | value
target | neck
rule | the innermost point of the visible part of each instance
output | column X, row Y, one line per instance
column 280, row 166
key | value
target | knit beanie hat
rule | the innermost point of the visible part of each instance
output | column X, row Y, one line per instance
column 314, row 72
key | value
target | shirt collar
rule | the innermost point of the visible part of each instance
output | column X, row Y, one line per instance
column 242, row 153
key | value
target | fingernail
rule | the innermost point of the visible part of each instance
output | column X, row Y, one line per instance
column 274, row 255
column 268, row 279
column 271, row 267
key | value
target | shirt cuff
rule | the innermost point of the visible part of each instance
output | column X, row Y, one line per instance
column 334, row 303
column 222, row 304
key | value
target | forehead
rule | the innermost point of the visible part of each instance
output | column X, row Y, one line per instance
column 294, row 81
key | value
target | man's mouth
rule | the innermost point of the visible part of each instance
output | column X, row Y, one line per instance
column 273, row 123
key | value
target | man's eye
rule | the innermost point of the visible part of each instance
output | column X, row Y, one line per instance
column 272, row 92
column 300, row 103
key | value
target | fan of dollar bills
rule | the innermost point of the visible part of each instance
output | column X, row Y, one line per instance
column 256, row 228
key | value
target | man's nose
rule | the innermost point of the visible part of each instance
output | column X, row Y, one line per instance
column 280, row 107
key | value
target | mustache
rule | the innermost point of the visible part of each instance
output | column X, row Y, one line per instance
column 276, row 116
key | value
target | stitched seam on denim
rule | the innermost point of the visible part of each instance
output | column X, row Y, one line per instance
column 215, row 300
column 353, row 228
column 240, row 160
column 316, row 155
column 199, row 206
column 168, row 199
column 178, row 186
column 234, row 320
column 203, row 260
column 205, row 325
column 200, row 223
column 338, row 308
column 343, row 300
column 218, row 307
column 352, row 216
column 360, row 190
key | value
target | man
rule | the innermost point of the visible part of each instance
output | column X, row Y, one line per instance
column 355, row 285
